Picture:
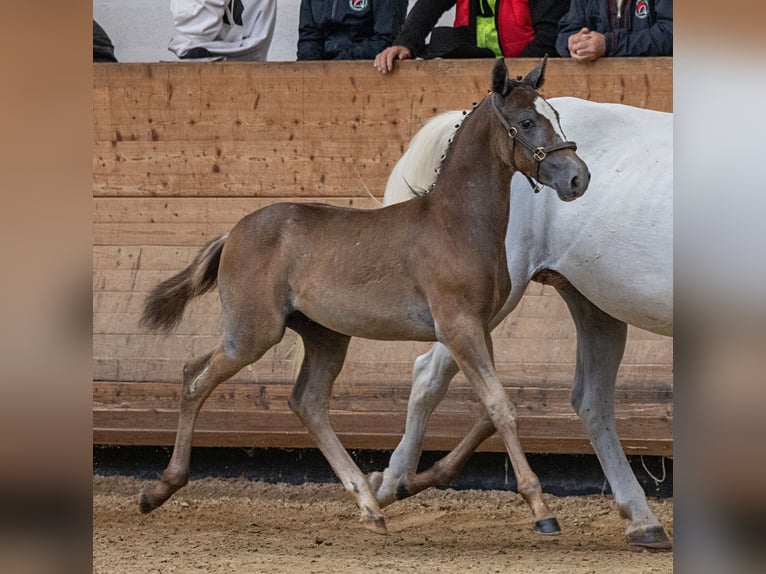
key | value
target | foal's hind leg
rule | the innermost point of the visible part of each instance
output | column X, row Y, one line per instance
column 200, row 377
column 600, row 346
column 325, row 351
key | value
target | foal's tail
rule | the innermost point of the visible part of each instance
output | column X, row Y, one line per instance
column 165, row 304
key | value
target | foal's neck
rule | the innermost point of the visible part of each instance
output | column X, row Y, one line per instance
column 474, row 183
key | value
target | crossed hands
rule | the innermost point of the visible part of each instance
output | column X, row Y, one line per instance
column 586, row 46
column 384, row 62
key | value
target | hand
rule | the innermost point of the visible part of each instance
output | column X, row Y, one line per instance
column 586, row 46
column 384, row 62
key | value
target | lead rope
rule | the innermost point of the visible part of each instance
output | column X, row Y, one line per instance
column 657, row 481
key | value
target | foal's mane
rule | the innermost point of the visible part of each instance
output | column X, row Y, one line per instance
column 447, row 150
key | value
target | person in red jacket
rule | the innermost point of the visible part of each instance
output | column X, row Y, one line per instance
column 482, row 28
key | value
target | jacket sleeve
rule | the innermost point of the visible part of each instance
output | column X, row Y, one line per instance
column 572, row 22
column 545, row 15
column 420, row 21
column 656, row 40
column 388, row 16
column 310, row 37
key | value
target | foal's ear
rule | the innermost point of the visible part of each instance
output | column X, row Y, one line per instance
column 499, row 77
column 536, row 77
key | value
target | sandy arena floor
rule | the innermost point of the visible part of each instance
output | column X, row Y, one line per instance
column 218, row 525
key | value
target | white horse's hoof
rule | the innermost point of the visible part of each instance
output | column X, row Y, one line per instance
column 652, row 537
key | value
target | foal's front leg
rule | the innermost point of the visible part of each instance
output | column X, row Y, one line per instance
column 470, row 344
column 325, row 352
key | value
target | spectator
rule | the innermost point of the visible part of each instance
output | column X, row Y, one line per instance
column 349, row 29
column 103, row 49
column 595, row 28
column 521, row 28
column 223, row 29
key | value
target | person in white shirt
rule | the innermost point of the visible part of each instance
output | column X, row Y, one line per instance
column 238, row 30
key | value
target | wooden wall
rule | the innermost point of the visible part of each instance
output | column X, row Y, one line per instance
column 181, row 151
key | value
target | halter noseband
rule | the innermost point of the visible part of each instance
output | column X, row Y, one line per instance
column 539, row 153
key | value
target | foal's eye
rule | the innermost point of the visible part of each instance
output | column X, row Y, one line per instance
column 526, row 124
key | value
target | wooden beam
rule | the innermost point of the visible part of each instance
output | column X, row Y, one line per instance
column 304, row 129
column 242, row 414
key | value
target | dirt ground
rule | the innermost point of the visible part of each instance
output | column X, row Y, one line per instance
column 234, row 525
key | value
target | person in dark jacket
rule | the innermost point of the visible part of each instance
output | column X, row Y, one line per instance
column 482, row 28
column 595, row 28
column 103, row 49
column 348, row 29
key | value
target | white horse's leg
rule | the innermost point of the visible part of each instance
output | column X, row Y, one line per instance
column 600, row 346
column 432, row 374
column 431, row 377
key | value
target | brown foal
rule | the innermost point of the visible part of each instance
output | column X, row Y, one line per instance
column 430, row 269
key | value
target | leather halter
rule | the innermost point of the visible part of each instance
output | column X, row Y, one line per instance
column 539, row 153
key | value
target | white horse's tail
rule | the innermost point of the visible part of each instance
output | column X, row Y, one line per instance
column 415, row 172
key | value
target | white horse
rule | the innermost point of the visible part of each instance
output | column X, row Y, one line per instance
column 609, row 255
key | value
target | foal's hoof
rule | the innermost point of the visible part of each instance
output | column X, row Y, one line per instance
column 653, row 538
column 548, row 526
column 374, row 524
column 144, row 504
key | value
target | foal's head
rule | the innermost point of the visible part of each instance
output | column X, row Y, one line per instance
column 532, row 140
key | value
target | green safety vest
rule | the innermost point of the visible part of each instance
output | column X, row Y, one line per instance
column 486, row 30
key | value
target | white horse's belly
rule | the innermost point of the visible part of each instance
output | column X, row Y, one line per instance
column 639, row 294
column 623, row 267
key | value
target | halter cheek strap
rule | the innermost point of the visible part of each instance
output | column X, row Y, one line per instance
column 539, row 153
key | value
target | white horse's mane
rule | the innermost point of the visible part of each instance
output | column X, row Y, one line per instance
column 415, row 173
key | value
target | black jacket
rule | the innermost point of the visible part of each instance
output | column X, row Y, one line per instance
column 103, row 49
column 645, row 27
column 425, row 14
column 348, row 29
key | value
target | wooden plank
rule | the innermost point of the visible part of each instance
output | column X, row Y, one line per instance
column 353, row 440
column 140, row 356
column 647, row 400
column 184, row 221
column 162, row 170
column 303, row 128
column 566, row 444
column 558, row 433
column 360, row 368
column 364, row 370
column 229, row 210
